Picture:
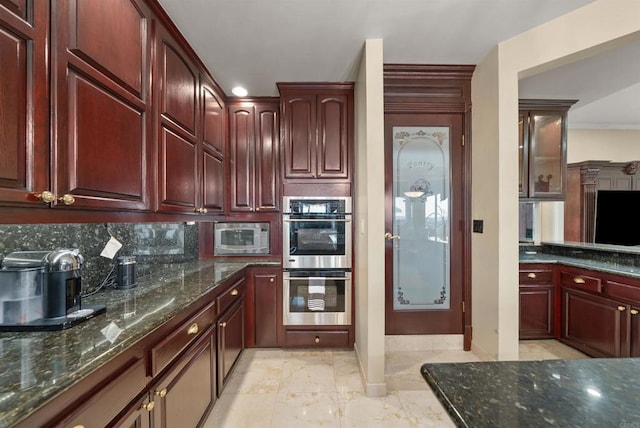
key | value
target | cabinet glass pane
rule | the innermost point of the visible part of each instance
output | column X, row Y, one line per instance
column 546, row 145
column 522, row 157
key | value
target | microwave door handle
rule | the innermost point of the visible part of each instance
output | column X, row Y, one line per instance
column 344, row 220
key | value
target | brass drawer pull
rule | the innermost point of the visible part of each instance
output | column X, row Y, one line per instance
column 621, row 308
column 634, row 311
column 223, row 324
column 272, row 279
column 578, row 280
column 162, row 393
column 317, row 339
column 531, row 275
column 67, row 199
column 234, row 292
column 193, row 329
column 46, row 196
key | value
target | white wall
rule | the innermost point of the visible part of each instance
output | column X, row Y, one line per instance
column 599, row 26
column 369, row 219
column 616, row 145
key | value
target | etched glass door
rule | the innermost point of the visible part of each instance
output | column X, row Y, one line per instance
column 421, row 217
column 424, row 258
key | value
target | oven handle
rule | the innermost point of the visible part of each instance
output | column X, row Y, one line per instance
column 344, row 220
column 288, row 277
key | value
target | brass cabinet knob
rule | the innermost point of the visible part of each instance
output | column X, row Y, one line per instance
column 162, row 393
column 234, row 292
column 388, row 236
column 272, row 280
column 193, row 329
column 148, row 406
column 531, row 275
column 223, row 324
column 634, row 311
column 204, row 211
column 197, row 210
column 67, row 199
column 257, row 208
column 621, row 308
column 46, row 196
column 317, row 339
column 78, row 426
column 578, row 280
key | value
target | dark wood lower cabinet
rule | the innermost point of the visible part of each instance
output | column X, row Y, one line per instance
column 138, row 415
column 186, row 394
column 263, row 316
column 635, row 331
column 595, row 325
column 536, row 311
column 230, row 341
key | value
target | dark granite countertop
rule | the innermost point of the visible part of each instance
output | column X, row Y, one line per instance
column 38, row 366
column 562, row 393
column 597, row 257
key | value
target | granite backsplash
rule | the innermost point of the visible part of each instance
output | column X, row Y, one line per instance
column 151, row 243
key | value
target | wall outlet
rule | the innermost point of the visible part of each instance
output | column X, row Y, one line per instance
column 478, row 225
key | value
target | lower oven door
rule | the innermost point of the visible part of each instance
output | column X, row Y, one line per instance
column 317, row 297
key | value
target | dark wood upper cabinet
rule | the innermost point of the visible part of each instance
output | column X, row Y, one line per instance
column 317, row 131
column 101, row 129
column 253, row 156
column 212, row 147
column 24, row 111
column 177, row 122
column 543, row 148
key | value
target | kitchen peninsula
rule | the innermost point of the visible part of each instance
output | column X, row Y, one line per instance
column 563, row 393
column 56, row 376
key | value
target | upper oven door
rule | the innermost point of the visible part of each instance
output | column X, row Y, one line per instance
column 317, row 242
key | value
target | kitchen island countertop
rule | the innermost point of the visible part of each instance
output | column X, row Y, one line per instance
column 38, row 366
column 562, row 393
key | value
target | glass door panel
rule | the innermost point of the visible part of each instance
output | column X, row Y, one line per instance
column 421, row 220
column 547, row 153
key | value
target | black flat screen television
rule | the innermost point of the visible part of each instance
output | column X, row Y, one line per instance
column 617, row 217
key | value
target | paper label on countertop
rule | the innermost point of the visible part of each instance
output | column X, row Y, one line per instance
column 111, row 332
column 111, row 248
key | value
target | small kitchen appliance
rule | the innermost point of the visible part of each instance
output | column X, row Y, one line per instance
column 126, row 277
column 41, row 290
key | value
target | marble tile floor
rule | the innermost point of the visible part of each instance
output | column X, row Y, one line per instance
column 291, row 388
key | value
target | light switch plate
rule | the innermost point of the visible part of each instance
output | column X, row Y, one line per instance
column 478, row 226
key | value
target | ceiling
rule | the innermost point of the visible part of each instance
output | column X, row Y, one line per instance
column 254, row 43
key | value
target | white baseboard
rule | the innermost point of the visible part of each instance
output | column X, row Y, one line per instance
column 370, row 389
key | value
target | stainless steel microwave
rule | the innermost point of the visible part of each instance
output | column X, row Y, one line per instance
column 241, row 238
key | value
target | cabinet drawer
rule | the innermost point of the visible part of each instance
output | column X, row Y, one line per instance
column 535, row 276
column 581, row 281
column 622, row 291
column 229, row 297
column 168, row 348
column 108, row 401
column 317, row 338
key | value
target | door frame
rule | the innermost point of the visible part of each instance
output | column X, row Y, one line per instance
column 410, row 88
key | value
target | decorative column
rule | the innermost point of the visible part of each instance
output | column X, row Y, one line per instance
column 588, row 178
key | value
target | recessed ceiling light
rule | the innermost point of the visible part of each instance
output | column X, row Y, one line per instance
column 239, row 91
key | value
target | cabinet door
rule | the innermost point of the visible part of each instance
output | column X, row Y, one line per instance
column 634, row 314
column 185, row 395
column 536, row 312
column 547, row 162
column 137, row 416
column 267, row 149
column 299, row 136
column 212, row 181
column 230, row 341
column 267, row 288
column 24, row 109
column 333, row 147
column 102, row 104
column 212, row 148
column 594, row 325
column 178, row 120
column 241, row 157
column 212, row 117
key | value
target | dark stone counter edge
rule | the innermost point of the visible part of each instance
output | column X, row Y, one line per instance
column 444, row 400
column 631, row 272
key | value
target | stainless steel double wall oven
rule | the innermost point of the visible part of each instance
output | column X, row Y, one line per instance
column 317, row 238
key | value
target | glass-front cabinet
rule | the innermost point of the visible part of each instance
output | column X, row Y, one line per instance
column 542, row 130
